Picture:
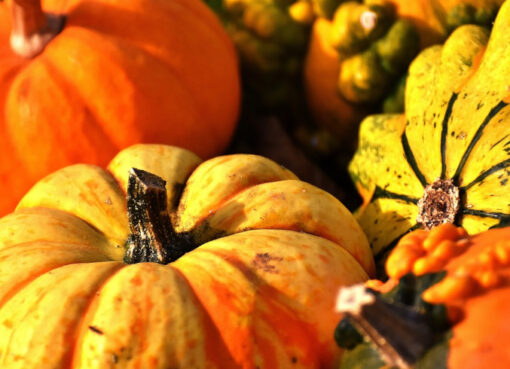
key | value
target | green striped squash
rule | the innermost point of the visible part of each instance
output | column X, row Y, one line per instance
column 447, row 159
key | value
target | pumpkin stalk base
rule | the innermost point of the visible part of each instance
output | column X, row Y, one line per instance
column 401, row 334
column 440, row 204
column 32, row 29
column 152, row 238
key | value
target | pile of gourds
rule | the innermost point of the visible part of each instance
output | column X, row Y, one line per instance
column 131, row 236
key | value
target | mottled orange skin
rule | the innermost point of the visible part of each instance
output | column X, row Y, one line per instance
column 476, row 289
column 120, row 73
column 253, row 294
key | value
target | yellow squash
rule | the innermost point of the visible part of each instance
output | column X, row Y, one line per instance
column 446, row 160
column 357, row 61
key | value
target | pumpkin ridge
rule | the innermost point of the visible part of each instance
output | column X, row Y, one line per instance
column 488, row 172
column 289, row 228
column 408, row 152
column 492, row 113
column 124, row 41
column 444, row 132
column 270, row 294
column 98, row 201
column 71, row 326
column 150, row 51
column 14, row 291
column 201, row 221
column 120, row 50
column 44, row 241
column 259, row 273
column 92, row 118
column 381, row 193
column 87, row 313
column 22, row 284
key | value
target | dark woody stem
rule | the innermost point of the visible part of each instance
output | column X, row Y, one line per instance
column 153, row 238
column 400, row 334
column 32, row 29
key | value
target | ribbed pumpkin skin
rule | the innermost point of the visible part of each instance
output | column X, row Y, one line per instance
column 120, row 73
column 455, row 127
column 259, row 293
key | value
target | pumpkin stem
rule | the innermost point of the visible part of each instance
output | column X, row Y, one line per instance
column 32, row 29
column 439, row 204
column 153, row 238
column 401, row 334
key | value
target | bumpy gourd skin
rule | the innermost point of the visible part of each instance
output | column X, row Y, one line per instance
column 454, row 128
column 257, row 292
column 354, row 62
column 271, row 38
column 474, row 290
column 357, row 62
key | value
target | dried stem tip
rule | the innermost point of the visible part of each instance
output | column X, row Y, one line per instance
column 440, row 204
column 153, row 238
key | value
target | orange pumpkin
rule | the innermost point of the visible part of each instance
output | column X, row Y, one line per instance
column 473, row 289
column 252, row 261
column 120, row 72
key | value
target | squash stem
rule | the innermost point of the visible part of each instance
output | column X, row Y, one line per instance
column 153, row 238
column 401, row 334
column 32, row 29
column 439, row 205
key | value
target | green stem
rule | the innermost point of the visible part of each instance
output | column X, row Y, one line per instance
column 32, row 28
column 153, row 238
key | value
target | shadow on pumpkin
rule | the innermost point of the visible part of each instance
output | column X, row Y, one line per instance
column 384, row 227
column 235, row 217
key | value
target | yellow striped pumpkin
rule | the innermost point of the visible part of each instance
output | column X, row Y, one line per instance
column 447, row 158
column 243, row 276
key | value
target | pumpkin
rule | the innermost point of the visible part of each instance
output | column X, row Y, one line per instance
column 227, row 263
column 271, row 39
column 446, row 159
column 357, row 61
column 456, row 288
column 112, row 74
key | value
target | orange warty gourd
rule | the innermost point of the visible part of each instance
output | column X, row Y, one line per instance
column 437, row 277
column 87, row 78
column 357, row 61
column 235, row 265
